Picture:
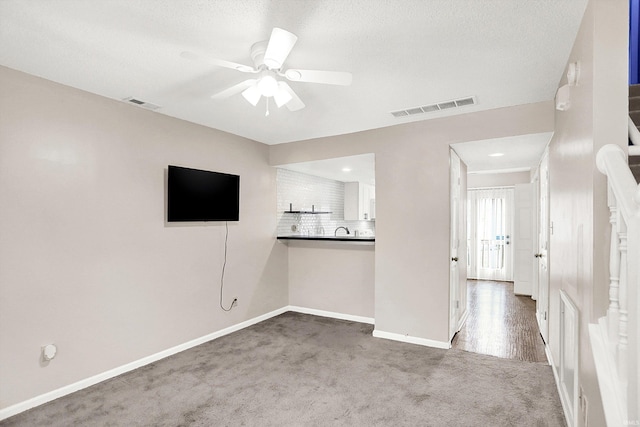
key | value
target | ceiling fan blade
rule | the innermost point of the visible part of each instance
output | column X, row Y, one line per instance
column 218, row 62
column 294, row 103
column 234, row 89
column 280, row 44
column 341, row 78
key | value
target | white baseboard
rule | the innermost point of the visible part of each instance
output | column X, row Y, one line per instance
column 87, row 382
column 332, row 314
column 411, row 340
column 556, row 377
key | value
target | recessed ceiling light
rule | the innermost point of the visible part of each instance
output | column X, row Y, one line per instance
column 496, row 155
column 346, row 169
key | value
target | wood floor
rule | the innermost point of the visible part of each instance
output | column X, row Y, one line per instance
column 500, row 323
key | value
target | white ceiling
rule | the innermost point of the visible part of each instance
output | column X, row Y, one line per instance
column 359, row 168
column 401, row 53
column 519, row 153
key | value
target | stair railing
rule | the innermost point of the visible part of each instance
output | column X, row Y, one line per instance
column 615, row 340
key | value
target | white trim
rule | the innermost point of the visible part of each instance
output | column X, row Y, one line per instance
column 571, row 332
column 607, row 373
column 462, row 320
column 556, row 377
column 87, row 382
column 634, row 150
column 494, row 171
column 332, row 314
column 411, row 340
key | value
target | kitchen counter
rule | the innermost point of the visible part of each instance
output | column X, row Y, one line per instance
column 342, row 238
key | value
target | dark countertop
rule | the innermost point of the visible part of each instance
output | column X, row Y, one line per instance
column 341, row 238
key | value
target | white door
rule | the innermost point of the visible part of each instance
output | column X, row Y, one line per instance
column 542, row 306
column 523, row 260
column 454, row 275
column 490, row 223
column 536, row 234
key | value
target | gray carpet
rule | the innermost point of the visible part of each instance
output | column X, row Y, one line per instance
column 303, row 370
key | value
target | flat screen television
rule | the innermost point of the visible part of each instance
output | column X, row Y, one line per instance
column 199, row 195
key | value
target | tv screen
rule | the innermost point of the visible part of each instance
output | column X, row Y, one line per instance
column 198, row 195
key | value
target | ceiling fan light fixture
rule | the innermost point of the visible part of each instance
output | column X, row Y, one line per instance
column 252, row 94
column 268, row 86
column 281, row 97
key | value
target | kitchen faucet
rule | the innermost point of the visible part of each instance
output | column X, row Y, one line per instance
column 335, row 233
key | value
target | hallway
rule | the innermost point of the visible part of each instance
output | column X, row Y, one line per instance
column 500, row 323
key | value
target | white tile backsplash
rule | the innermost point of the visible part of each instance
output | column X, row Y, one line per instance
column 305, row 191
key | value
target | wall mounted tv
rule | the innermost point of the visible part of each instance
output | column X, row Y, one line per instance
column 198, row 195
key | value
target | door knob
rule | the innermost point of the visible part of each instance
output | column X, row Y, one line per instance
column 455, row 258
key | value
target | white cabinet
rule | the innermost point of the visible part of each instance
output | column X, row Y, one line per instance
column 359, row 201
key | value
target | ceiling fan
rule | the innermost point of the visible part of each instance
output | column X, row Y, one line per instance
column 268, row 58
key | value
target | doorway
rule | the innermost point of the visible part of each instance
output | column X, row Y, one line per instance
column 490, row 220
column 500, row 323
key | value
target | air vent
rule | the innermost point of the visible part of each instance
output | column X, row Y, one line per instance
column 445, row 105
column 143, row 104
column 465, row 101
column 400, row 113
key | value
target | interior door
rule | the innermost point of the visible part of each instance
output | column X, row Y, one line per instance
column 542, row 306
column 455, row 212
column 536, row 234
column 523, row 262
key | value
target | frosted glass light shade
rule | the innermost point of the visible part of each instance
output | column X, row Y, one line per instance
column 281, row 97
column 268, row 86
column 252, row 94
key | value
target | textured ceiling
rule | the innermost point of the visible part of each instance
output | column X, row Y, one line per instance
column 402, row 53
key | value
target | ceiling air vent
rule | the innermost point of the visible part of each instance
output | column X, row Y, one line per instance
column 400, row 113
column 143, row 104
column 444, row 105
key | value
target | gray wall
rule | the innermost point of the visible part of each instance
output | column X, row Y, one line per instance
column 86, row 258
column 578, row 260
column 412, row 206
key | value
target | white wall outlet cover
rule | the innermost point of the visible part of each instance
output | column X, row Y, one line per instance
column 49, row 351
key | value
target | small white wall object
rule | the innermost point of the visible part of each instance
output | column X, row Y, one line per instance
column 49, row 351
column 563, row 98
column 563, row 95
column 573, row 73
